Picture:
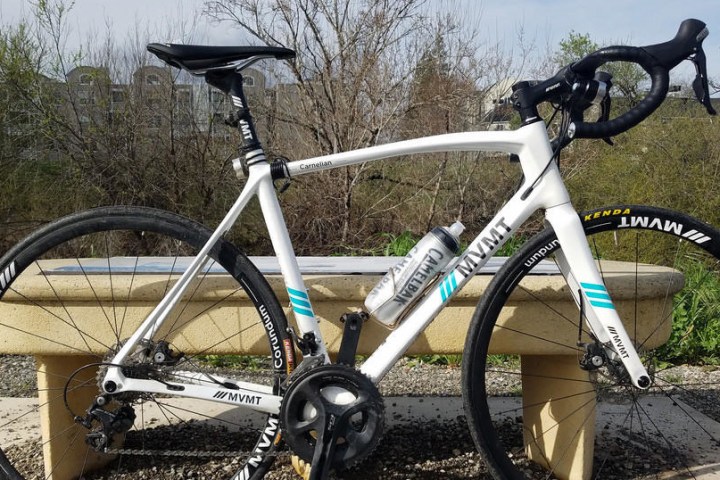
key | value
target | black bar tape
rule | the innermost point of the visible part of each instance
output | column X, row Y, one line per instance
column 658, row 91
column 660, row 83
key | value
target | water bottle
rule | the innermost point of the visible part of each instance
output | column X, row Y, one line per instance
column 406, row 281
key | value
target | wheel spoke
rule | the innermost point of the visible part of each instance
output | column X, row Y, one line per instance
column 105, row 251
column 634, row 437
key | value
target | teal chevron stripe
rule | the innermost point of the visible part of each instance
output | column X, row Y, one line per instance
column 300, row 302
column 302, row 311
column 297, row 293
column 600, row 296
column 447, row 287
column 593, row 286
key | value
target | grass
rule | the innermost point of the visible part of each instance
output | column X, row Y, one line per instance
column 249, row 362
column 435, row 359
column 399, row 245
column 695, row 335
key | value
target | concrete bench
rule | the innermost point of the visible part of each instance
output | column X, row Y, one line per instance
column 338, row 285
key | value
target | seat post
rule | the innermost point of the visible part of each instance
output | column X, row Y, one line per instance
column 231, row 82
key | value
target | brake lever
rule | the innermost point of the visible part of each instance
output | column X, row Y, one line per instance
column 700, row 84
column 605, row 116
column 606, row 102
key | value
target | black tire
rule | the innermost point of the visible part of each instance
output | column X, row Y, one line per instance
column 108, row 250
column 636, row 444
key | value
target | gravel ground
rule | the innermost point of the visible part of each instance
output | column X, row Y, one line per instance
column 408, row 451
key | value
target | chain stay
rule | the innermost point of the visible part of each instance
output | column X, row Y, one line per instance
column 192, row 453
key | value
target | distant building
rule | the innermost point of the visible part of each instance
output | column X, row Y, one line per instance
column 495, row 109
column 155, row 96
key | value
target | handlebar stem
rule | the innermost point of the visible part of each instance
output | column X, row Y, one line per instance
column 527, row 96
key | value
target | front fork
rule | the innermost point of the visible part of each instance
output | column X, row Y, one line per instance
column 590, row 293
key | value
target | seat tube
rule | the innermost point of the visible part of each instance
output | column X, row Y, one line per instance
column 300, row 304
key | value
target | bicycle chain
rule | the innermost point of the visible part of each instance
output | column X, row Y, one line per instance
column 189, row 453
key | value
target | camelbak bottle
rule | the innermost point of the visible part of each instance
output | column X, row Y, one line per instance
column 406, row 281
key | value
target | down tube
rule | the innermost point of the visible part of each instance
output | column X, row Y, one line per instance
column 493, row 236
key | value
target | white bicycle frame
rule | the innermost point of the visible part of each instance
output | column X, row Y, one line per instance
column 543, row 189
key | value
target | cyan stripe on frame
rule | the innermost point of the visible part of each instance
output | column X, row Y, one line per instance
column 600, row 296
column 447, row 287
column 297, row 293
column 598, row 293
column 596, row 303
column 300, row 303
column 443, row 293
column 302, row 311
column 593, row 286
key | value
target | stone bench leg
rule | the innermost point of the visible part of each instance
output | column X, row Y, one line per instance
column 65, row 452
column 558, row 414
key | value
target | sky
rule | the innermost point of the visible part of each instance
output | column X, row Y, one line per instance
column 544, row 22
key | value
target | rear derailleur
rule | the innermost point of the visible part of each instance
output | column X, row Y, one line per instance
column 105, row 424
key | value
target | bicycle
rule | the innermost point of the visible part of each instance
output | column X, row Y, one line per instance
column 331, row 414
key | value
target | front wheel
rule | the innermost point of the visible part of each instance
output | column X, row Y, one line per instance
column 538, row 414
column 73, row 292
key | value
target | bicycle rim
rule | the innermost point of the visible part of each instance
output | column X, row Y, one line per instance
column 539, row 415
column 73, row 292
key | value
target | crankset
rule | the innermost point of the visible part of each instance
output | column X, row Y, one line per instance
column 332, row 417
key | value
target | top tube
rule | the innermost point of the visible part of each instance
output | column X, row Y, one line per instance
column 530, row 138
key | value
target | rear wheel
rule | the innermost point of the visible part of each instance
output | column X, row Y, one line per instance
column 532, row 415
column 73, row 292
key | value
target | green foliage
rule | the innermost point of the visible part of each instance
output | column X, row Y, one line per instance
column 574, row 47
column 435, row 359
column 511, row 362
column 670, row 160
column 248, row 362
column 512, row 245
column 399, row 245
column 695, row 335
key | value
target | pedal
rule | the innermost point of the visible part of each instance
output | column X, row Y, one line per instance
column 301, row 467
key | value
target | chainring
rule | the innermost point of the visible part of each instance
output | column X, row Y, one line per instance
column 339, row 394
